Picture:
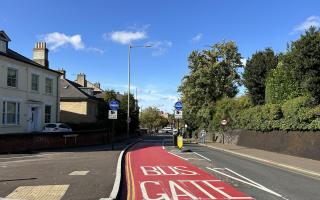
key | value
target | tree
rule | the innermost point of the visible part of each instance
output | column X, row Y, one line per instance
column 213, row 75
column 256, row 72
column 151, row 118
column 305, row 53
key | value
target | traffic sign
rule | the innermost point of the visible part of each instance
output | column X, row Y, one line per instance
column 178, row 114
column 113, row 114
column 114, row 105
column 178, row 105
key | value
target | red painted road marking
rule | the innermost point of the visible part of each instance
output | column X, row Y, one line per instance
column 154, row 174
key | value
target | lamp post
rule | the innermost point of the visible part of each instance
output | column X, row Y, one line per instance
column 129, row 79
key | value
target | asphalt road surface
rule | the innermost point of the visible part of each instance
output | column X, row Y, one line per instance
column 77, row 173
column 147, row 165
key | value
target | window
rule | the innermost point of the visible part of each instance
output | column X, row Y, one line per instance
column 49, row 85
column 47, row 114
column 35, row 82
column 11, row 112
column 12, row 77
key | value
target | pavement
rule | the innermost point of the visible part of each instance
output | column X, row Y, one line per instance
column 293, row 163
column 75, row 173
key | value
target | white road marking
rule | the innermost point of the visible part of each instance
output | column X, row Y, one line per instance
column 297, row 170
column 163, row 144
column 117, row 180
column 178, row 156
column 202, row 156
column 248, row 181
column 79, row 173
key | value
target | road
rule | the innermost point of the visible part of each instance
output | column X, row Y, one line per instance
column 156, row 170
column 76, row 173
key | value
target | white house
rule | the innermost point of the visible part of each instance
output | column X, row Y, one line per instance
column 29, row 95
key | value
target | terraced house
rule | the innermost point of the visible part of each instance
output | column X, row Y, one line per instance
column 29, row 95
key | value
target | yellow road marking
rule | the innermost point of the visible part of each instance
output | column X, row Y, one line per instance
column 128, row 177
column 132, row 179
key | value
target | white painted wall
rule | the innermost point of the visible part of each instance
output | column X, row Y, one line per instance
column 24, row 95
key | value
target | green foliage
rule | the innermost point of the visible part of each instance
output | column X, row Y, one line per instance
column 281, row 85
column 228, row 109
column 213, row 75
column 305, row 54
column 256, row 72
column 260, row 118
column 298, row 114
column 151, row 118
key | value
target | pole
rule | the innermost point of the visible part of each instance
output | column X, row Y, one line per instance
column 128, row 109
column 112, row 136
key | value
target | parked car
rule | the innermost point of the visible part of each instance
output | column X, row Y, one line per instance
column 167, row 130
column 56, row 127
column 174, row 132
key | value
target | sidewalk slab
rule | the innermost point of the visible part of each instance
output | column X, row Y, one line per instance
column 298, row 164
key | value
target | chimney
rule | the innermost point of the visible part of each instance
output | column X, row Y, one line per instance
column 4, row 40
column 40, row 54
column 63, row 73
column 81, row 80
column 97, row 85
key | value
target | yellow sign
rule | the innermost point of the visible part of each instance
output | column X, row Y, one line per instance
column 180, row 142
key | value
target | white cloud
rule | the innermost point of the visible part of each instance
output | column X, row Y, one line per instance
column 160, row 47
column 197, row 38
column 310, row 21
column 56, row 40
column 125, row 37
column 94, row 49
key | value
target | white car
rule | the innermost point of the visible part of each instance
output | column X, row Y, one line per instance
column 56, row 127
column 167, row 130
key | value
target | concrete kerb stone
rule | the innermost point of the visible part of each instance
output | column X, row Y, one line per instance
column 116, row 186
column 308, row 173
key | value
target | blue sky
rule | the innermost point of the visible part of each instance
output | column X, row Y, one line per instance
column 92, row 37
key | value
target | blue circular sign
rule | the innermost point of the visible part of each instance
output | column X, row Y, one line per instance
column 178, row 105
column 114, row 105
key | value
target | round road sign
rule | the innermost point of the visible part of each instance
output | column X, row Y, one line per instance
column 178, row 105
column 114, row 105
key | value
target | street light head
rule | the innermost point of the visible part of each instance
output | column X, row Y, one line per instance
column 147, row 46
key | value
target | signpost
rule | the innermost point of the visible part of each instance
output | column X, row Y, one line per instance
column 178, row 115
column 113, row 114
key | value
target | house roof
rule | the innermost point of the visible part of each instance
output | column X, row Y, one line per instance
column 102, row 94
column 4, row 36
column 71, row 90
column 16, row 56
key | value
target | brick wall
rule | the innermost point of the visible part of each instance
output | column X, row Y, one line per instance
column 10, row 143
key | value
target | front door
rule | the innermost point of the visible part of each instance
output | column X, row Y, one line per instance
column 34, row 119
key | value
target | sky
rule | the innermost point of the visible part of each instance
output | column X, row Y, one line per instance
column 92, row 37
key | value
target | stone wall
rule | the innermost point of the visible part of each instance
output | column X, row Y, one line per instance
column 303, row 144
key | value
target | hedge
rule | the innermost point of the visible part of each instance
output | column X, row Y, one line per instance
column 297, row 114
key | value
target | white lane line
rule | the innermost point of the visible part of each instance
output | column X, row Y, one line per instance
column 117, row 180
column 202, row 156
column 297, row 170
column 251, row 183
column 79, row 173
column 178, row 156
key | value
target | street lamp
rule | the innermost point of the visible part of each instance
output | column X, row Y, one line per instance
column 129, row 78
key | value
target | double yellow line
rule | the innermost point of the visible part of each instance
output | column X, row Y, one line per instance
column 130, row 181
